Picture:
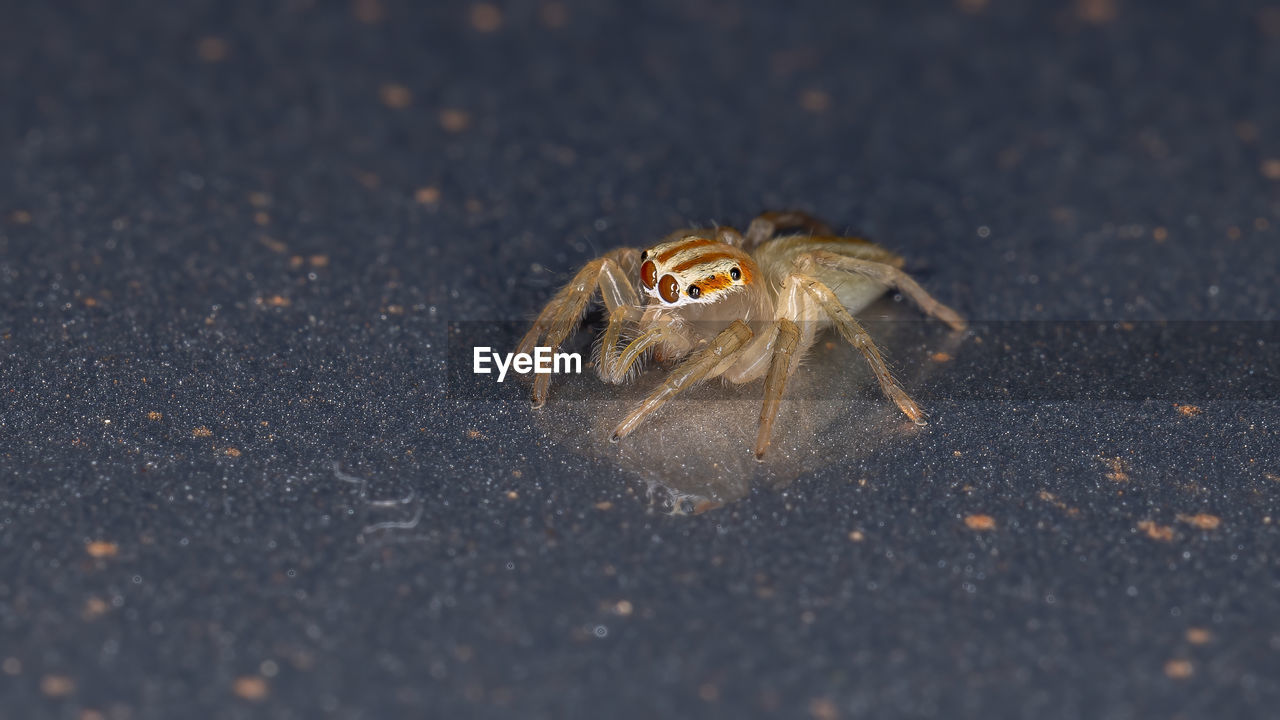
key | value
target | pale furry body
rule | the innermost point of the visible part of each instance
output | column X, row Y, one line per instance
column 731, row 305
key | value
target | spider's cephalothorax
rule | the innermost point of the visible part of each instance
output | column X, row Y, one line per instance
column 695, row 269
column 699, row 282
column 731, row 305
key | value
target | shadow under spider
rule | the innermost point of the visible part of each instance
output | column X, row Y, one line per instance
column 696, row 453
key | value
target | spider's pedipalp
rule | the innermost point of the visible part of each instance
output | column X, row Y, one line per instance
column 689, row 373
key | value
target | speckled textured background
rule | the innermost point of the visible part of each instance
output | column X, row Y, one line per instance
column 238, row 479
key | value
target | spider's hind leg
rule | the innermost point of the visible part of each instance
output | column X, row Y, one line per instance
column 892, row 277
column 768, row 225
column 857, row 336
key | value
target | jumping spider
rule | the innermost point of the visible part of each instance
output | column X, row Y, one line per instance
column 732, row 305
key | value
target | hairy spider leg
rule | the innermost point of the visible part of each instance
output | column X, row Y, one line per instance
column 689, row 373
column 894, row 278
column 768, row 225
column 561, row 316
column 858, row 337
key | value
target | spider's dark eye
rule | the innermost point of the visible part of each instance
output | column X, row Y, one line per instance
column 644, row 255
column 669, row 289
column 735, row 273
column 648, row 274
column 694, row 291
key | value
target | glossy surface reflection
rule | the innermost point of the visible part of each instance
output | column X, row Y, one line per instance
column 697, row 453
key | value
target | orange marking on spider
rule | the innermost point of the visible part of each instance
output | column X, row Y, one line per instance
column 681, row 246
column 715, row 284
column 704, row 259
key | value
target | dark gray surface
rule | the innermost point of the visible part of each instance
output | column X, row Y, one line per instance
column 1062, row 162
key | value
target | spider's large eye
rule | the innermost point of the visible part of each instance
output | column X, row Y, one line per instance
column 668, row 289
column 648, row 274
column 735, row 273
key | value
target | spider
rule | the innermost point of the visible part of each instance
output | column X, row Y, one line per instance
column 739, row 306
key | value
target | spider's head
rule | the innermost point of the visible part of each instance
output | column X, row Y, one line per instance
column 694, row 270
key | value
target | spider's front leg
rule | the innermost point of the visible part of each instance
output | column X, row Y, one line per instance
column 781, row 367
column 791, row 331
column 610, row 274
